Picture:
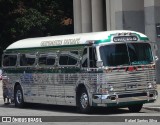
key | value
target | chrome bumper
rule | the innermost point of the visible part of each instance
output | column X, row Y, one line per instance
column 117, row 99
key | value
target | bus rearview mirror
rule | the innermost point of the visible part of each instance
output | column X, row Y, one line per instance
column 156, row 58
column 99, row 63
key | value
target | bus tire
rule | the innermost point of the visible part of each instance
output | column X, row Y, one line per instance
column 18, row 97
column 83, row 101
column 135, row 108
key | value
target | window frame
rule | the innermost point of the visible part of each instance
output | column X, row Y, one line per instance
column 10, row 66
column 86, row 58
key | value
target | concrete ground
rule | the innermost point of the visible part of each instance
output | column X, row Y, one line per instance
column 150, row 106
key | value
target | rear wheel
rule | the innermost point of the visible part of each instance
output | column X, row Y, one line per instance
column 135, row 108
column 83, row 101
column 18, row 97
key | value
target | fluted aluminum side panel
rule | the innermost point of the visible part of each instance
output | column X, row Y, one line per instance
column 59, row 88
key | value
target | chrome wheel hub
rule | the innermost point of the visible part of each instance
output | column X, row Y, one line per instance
column 84, row 100
column 19, row 96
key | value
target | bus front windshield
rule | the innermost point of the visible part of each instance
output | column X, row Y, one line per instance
column 126, row 54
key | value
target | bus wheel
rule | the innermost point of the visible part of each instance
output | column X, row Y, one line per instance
column 18, row 97
column 83, row 101
column 135, row 108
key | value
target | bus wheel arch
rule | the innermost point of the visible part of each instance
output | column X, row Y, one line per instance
column 18, row 96
column 82, row 99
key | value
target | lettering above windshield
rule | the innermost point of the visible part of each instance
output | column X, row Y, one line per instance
column 125, row 38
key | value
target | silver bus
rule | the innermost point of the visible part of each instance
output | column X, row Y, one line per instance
column 101, row 69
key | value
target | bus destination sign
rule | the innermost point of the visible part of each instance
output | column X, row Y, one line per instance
column 125, row 38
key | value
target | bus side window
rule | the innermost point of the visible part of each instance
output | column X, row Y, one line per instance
column 27, row 59
column 67, row 60
column 42, row 59
column 63, row 60
column 85, row 58
column 9, row 60
column 92, row 57
column 46, row 59
column 50, row 61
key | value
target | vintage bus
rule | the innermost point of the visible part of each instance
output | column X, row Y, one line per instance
column 101, row 69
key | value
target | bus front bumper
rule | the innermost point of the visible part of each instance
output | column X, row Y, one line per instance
column 120, row 99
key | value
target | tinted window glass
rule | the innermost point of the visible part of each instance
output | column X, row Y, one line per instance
column 114, row 55
column 140, row 53
column 72, row 61
column 42, row 60
column 63, row 60
column 27, row 59
column 46, row 59
column 92, row 57
column 85, row 58
column 67, row 60
column 85, row 63
column 50, row 61
column 9, row 60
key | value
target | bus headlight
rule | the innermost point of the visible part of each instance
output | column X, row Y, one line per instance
column 103, row 90
column 106, row 90
column 150, row 85
column 111, row 88
column 154, row 85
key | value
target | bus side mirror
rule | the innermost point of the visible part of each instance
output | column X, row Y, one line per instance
column 156, row 58
column 155, row 47
column 99, row 63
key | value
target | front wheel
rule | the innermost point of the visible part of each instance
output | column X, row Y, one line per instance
column 135, row 108
column 83, row 101
column 18, row 97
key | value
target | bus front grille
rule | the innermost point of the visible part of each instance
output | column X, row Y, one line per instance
column 130, row 81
